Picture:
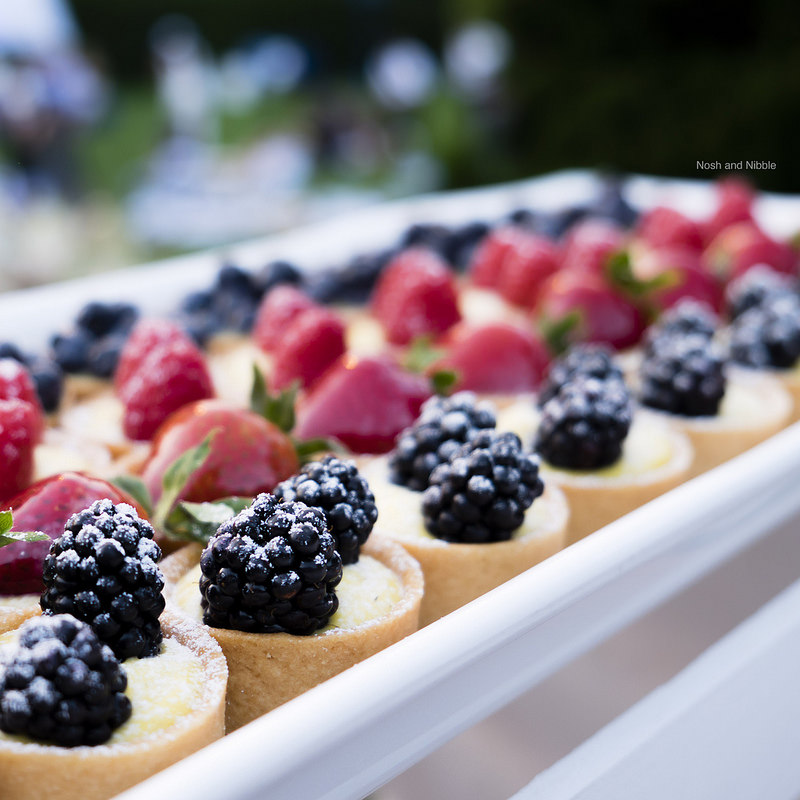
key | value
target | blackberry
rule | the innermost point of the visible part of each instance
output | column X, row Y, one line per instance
column 584, row 426
column 104, row 355
column 103, row 571
column 588, row 360
column 687, row 318
column 62, row 685
column 49, row 381
column 768, row 336
column 482, row 492
column 443, row 424
column 272, row 568
column 343, row 494
column 71, row 350
column 684, row 376
column 275, row 273
column 101, row 319
column 756, row 288
column 352, row 283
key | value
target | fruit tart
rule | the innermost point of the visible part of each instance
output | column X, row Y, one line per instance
column 102, row 690
column 606, row 457
column 293, row 591
column 466, row 502
column 685, row 377
column 44, row 507
column 764, row 335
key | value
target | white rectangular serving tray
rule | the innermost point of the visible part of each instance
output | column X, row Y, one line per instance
column 356, row 731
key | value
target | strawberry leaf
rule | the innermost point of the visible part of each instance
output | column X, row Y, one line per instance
column 621, row 275
column 421, row 354
column 559, row 333
column 177, row 476
column 444, row 380
column 277, row 408
column 198, row 522
column 308, row 448
column 7, row 536
column 135, row 487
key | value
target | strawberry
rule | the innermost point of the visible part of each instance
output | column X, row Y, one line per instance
column 734, row 204
column 498, row 358
column 20, row 425
column 145, row 337
column 16, row 383
column 170, row 377
column 595, row 312
column 665, row 227
column 528, row 263
column 590, row 244
column 247, row 454
column 741, row 246
column 415, row 296
column 363, row 403
column 312, row 342
column 46, row 506
column 487, row 262
column 278, row 308
column 690, row 278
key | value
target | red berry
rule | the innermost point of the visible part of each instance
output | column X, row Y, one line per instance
column 743, row 245
column 531, row 260
column 603, row 315
column 169, row 377
column 16, row 383
column 277, row 310
column 590, row 244
column 498, row 358
column 363, row 403
column 734, row 204
column 248, row 454
column 490, row 255
column 665, row 227
column 313, row 341
column 46, row 506
column 20, row 425
column 691, row 280
column 145, row 337
column 416, row 296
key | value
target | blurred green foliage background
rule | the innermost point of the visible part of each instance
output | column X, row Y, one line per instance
column 648, row 87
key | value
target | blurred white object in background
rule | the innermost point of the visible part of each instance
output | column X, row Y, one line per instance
column 403, row 74
column 476, row 55
column 35, row 27
column 185, row 76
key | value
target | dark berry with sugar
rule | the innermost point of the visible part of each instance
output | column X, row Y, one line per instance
column 103, row 570
column 443, row 425
column 272, row 568
column 337, row 488
column 684, row 376
column 61, row 685
column 581, row 360
column 584, row 426
column 482, row 492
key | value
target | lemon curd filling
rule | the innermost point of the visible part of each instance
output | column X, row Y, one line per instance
column 19, row 601
column 741, row 402
column 162, row 690
column 648, row 445
column 401, row 508
column 368, row 590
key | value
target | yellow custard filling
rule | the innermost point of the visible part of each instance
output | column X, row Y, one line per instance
column 162, row 690
column 368, row 590
column 18, row 601
column 401, row 508
column 648, row 445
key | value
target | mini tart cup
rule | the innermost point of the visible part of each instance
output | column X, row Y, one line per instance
column 268, row 669
column 15, row 610
column 456, row 573
column 596, row 500
column 31, row 771
column 720, row 438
